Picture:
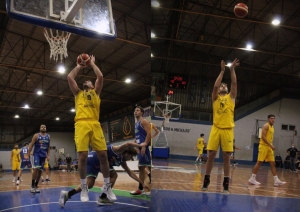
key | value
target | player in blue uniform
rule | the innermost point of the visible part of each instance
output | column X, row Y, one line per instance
column 117, row 156
column 142, row 136
column 41, row 144
column 25, row 162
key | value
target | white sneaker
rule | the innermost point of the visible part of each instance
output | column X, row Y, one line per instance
column 63, row 198
column 106, row 188
column 18, row 182
column 84, row 195
column 278, row 183
column 253, row 181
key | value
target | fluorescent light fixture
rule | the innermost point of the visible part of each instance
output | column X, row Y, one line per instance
column 61, row 69
column 57, row 118
column 17, row 116
column 39, row 93
column 73, row 110
column 128, row 80
column 26, row 106
column 276, row 22
column 155, row 3
column 152, row 35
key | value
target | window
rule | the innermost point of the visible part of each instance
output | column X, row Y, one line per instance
column 288, row 127
column 284, row 127
column 291, row 127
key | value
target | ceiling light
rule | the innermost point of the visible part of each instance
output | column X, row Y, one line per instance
column 61, row 69
column 276, row 22
column 228, row 64
column 128, row 80
column 155, row 3
column 152, row 35
column 39, row 93
column 26, row 106
column 151, row 55
column 73, row 110
column 17, row 116
column 57, row 118
column 249, row 46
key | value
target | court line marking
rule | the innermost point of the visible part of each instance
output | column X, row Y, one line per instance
column 47, row 203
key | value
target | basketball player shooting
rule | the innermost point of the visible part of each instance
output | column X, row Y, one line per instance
column 87, row 127
column 223, row 124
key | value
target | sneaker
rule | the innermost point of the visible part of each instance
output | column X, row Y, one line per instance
column 226, row 185
column 206, row 182
column 18, row 182
column 84, row 195
column 32, row 190
column 106, row 188
column 137, row 192
column 36, row 190
column 278, row 183
column 48, row 181
column 63, row 198
column 253, row 181
column 104, row 201
column 43, row 180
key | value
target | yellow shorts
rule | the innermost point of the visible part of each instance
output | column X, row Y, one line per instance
column 200, row 151
column 46, row 165
column 89, row 133
column 265, row 153
column 223, row 137
column 15, row 165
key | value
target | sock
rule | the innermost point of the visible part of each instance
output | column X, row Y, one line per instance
column 42, row 177
column 103, row 195
column 32, row 183
column 47, row 176
column 71, row 193
column 141, row 187
column 106, row 180
column 275, row 178
column 83, row 181
column 207, row 176
column 18, row 178
column 36, row 183
column 253, row 176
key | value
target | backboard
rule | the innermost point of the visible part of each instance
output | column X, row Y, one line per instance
column 88, row 18
column 166, row 108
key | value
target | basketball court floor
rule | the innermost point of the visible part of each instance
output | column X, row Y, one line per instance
column 177, row 187
column 18, row 198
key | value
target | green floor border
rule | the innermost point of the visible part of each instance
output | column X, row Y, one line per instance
column 120, row 193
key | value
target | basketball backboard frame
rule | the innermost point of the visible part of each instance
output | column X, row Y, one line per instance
column 84, row 27
column 164, row 108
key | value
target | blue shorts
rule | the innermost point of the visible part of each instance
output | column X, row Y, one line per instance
column 25, row 163
column 93, row 170
column 38, row 162
column 146, row 159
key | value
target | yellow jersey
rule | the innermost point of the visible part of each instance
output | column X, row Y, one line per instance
column 15, row 154
column 269, row 135
column 200, row 143
column 87, row 105
column 223, row 111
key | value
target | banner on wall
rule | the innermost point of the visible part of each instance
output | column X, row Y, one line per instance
column 122, row 128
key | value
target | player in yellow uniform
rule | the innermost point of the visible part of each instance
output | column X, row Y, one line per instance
column 87, row 128
column 199, row 146
column 266, row 152
column 223, row 124
column 15, row 161
column 46, row 166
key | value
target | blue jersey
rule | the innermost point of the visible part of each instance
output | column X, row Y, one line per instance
column 24, row 150
column 41, row 145
column 140, row 133
column 113, row 158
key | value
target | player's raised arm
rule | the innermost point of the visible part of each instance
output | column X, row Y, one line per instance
column 218, row 82
column 233, row 86
column 99, row 80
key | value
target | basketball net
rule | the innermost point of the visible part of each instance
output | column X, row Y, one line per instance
column 58, row 44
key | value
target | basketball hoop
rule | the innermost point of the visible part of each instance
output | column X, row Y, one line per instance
column 58, row 44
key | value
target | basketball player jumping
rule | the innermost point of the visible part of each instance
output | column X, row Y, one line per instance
column 142, row 135
column 223, row 124
column 87, row 128
column 41, row 143
column 117, row 156
column 266, row 152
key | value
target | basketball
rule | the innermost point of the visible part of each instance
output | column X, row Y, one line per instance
column 240, row 10
column 83, row 59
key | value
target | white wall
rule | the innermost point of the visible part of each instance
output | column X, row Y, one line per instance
column 286, row 111
column 58, row 139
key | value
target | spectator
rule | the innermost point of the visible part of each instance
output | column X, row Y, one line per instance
column 278, row 161
column 287, row 162
column 293, row 153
